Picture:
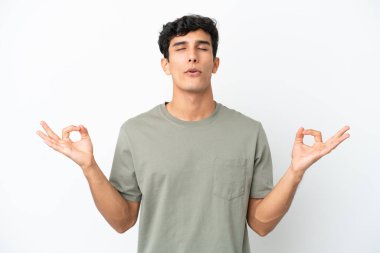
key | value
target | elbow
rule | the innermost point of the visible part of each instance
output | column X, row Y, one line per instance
column 122, row 228
column 123, row 225
column 262, row 233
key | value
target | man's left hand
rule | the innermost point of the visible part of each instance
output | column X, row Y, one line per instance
column 303, row 156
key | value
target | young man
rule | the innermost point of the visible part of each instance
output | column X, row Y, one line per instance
column 201, row 170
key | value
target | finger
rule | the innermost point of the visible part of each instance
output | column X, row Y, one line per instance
column 49, row 131
column 339, row 134
column 342, row 131
column 50, row 141
column 317, row 134
column 66, row 131
column 45, row 137
column 300, row 135
column 42, row 135
column 83, row 131
column 341, row 139
column 335, row 142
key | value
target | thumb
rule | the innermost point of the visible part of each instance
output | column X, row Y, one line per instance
column 299, row 135
column 83, row 131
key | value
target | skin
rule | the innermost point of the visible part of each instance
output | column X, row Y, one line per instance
column 192, row 96
column 264, row 214
column 192, row 101
column 117, row 211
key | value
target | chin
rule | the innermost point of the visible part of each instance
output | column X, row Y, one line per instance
column 196, row 88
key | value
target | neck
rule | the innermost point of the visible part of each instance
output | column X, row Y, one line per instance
column 191, row 107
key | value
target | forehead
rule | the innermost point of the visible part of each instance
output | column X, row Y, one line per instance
column 192, row 37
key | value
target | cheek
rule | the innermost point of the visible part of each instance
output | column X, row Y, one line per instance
column 210, row 69
column 178, row 57
column 176, row 66
column 176, row 72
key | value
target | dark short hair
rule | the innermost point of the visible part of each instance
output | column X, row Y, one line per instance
column 182, row 26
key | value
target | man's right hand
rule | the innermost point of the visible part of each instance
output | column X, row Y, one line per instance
column 120, row 213
column 81, row 152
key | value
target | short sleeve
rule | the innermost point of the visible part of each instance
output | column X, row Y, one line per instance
column 262, row 181
column 123, row 175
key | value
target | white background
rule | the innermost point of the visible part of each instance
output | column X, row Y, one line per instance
column 285, row 63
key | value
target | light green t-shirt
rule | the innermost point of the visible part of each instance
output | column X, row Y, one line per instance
column 193, row 178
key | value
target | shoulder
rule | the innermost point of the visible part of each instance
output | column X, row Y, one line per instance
column 241, row 118
column 142, row 119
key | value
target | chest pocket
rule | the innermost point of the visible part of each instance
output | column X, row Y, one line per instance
column 229, row 177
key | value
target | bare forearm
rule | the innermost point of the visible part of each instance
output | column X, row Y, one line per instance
column 108, row 200
column 264, row 214
column 275, row 205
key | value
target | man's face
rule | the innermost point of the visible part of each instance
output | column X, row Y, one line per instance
column 191, row 62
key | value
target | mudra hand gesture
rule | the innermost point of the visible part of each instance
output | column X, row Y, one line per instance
column 303, row 156
column 81, row 152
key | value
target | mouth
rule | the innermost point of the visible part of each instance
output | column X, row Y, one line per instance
column 193, row 72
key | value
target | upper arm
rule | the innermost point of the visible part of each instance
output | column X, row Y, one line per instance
column 133, row 210
column 252, row 206
column 253, row 203
column 123, row 178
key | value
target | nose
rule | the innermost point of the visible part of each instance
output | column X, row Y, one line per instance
column 193, row 57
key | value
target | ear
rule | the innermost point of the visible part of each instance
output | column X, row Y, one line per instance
column 165, row 65
column 216, row 65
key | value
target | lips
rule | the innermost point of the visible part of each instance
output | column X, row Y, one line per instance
column 193, row 70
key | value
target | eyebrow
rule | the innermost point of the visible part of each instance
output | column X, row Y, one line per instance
column 197, row 42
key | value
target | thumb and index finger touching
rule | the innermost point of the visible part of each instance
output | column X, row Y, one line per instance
column 81, row 129
column 65, row 132
column 318, row 135
column 302, row 132
column 300, row 135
